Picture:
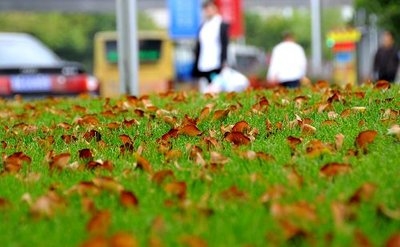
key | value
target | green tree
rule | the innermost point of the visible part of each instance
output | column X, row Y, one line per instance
column 70, row 35
column 265, row 32
column 387, row 11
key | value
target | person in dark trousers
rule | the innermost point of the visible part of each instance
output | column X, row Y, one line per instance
column 386, row 59
column 211, row 48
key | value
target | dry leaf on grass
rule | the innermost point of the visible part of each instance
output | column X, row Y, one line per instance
column 177, row 188
column 99, row 224
column 393, row 241
column 364, row 138
column 189, row 130
column 237, row 138
column 60, row 161
column 394, row 130
column 128, row 199
column 333, row 169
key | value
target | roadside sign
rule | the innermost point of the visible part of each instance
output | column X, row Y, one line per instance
column 185, row 18
column 344, row 46
column 231, row 11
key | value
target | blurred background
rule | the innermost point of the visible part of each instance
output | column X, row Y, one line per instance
column 69, row 27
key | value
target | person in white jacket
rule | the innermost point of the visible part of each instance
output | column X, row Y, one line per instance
column 288, row 63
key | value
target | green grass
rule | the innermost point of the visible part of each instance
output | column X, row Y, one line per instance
column 243, row 202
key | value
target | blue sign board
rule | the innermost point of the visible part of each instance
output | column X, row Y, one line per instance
column 185, row 18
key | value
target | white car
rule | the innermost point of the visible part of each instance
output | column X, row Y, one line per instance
column 28, row 67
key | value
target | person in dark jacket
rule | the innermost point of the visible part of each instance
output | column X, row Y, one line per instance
column 386, row 60
column 211, row 48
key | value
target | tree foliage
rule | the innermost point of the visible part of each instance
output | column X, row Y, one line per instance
column 70, row 35
column 267, row 31
column 387, row 11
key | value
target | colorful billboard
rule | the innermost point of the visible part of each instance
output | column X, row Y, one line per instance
column 184, row 18
column 231, row 11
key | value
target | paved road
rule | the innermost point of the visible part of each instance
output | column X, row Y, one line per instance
column 109, row 5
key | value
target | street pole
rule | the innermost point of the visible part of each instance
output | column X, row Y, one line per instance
column 316, row 36
column 128, row 65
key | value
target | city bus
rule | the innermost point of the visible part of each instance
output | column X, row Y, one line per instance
column 156, row 66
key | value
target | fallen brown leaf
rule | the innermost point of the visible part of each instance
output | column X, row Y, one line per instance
column 220, row 114
column 143, row 164
column 193, row 241
column 339, row 139
column 122, row 239
column 160, row 176
column 334, row 169
column 364, row 138
column 341, row 213
column 364, row 193
column 4, row 203
column 172, row 155
column 125, row 139
column 90, row 120
column 237, row 138
column 361, row 239
column 382, row 85
column 60, row 161
column 316, row 148
column 241, row 126
column 218, row 158
column 99, row 223
column 177, row 188
column 307, row 129
column 65, row 126
column 113, row 125
column 273, row 193
column 172, row 133
column 394, row 130
column 205, row 112
column 128, row 199
column 293, row 141
column 129, row 123
column 47, row 205
column 92, row 134
column 69, row 138
column 393, row 241
column 86, row 154
column 189, row 130
column 108, row 183
column 15, row 161
column 233, row 193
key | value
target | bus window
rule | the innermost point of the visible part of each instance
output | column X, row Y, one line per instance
column 149, row 51
column 111, row 51
column 156, row 69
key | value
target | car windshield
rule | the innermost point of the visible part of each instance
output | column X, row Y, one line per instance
column 25, row 51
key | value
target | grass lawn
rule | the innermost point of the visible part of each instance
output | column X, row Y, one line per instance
column 316, row 166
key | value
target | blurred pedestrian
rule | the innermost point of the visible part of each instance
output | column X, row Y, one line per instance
column 212, row 44
column 386, row 59
column 288, row 63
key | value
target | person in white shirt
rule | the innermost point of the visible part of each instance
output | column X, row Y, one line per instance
column 212, row 44
column 288, row 63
